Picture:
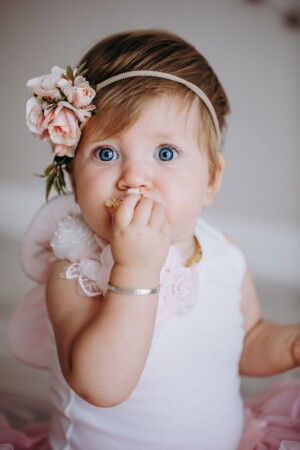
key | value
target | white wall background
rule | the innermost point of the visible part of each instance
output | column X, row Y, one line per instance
column 257, row 60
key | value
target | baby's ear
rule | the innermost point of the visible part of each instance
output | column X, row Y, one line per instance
column 215, row 181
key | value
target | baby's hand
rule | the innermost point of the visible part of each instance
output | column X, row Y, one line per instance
column 291, row 341
column 270, row 349
column 141, row 235
column 296, row 348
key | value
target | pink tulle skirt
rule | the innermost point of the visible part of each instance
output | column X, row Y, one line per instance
column 31, row 437
column 272, row 422
column 272, row 419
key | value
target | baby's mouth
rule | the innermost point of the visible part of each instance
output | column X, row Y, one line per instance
column 115, row 203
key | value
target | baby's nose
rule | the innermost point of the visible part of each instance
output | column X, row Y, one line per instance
column 135, row 176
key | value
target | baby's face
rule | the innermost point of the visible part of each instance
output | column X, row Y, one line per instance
column 158, row 154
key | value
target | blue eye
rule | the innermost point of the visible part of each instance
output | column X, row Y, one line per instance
column 106, row 154
column 166, row 154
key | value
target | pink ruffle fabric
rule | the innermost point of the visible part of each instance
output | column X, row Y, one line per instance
column 31, row 437
column 272, row 419
column 28, row 332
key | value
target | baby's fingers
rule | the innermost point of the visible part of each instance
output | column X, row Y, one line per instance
column 158, row 216
column 124, row 214
column 143, row 212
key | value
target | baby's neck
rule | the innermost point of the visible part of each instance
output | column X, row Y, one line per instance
column 186, row 248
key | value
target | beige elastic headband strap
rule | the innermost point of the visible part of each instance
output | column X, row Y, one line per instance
column 167, row 76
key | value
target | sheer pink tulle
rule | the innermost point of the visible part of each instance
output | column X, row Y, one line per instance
column 31, row 437
column 272, row 419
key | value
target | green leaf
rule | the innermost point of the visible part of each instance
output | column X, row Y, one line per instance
column 55, row 175
column 80, row 69
column 69, row 73
column 51, row 177
column 56, row 186
column 61, row 178
column 83, row 72
column 48, row 169
column 59, row 160
column 62, row 94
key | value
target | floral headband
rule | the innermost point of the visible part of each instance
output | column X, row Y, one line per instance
column 62, row 103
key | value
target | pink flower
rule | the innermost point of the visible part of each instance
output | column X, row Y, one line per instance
column 46, row 85
column 58, row 110
column 84, row 92
column 80, row 95
column 83, row 114
column 64, row 150
column 62, row 125
column 34, row 116
column 67, row 88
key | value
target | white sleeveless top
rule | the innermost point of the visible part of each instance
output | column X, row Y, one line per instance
column 188, row 396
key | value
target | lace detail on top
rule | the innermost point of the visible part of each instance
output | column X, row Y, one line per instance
column 86, row 286
column 92, row 262
column 179, row 289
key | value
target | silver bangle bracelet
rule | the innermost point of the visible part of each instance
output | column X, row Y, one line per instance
column 125, row 291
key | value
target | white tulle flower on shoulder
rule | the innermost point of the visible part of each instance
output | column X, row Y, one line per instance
column 73, row 240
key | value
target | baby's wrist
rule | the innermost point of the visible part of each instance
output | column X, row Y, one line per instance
column 129, row 277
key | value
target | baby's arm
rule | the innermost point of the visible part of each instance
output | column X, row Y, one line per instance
column 268, row 348
column 103, row 344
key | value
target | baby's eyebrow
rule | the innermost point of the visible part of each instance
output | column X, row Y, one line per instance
column 163, row 135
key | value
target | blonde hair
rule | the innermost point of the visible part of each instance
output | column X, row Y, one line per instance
column 121, row 103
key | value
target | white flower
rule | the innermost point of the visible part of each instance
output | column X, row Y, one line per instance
column 67, row 89
column 46, row 85
column 35, row 116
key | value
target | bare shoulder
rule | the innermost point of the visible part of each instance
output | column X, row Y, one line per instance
column 250, row 305
column 69, row 311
